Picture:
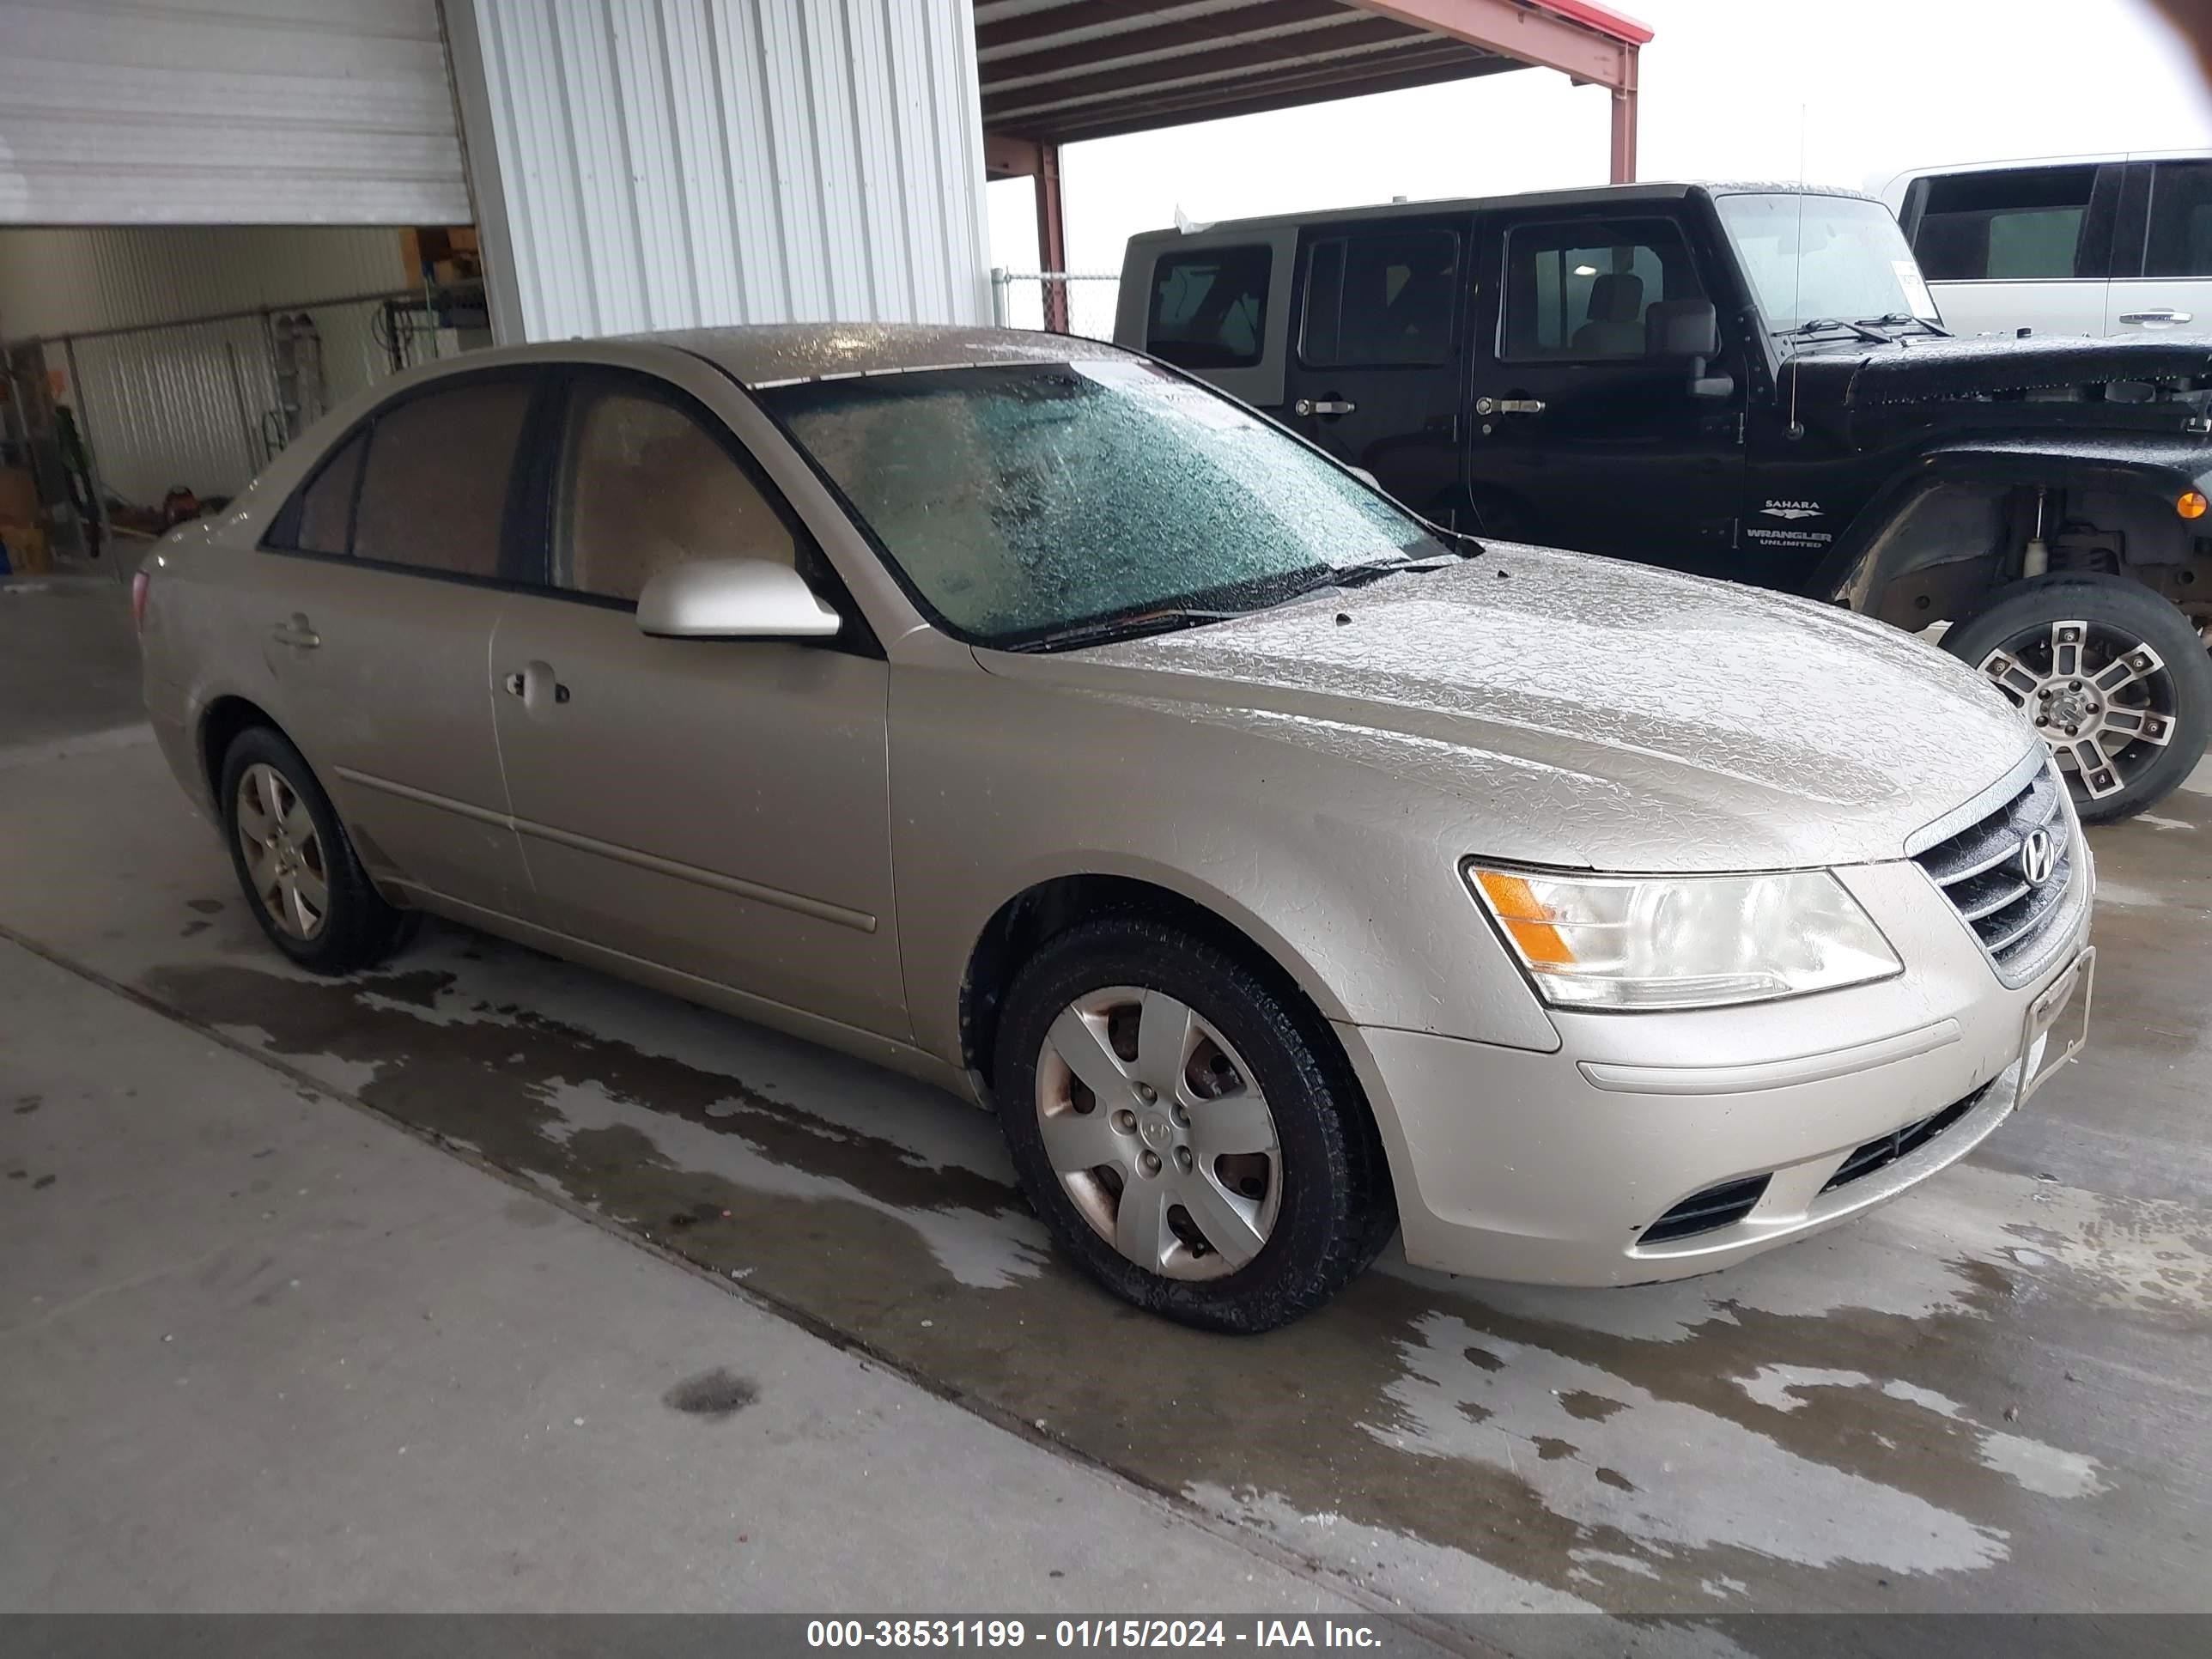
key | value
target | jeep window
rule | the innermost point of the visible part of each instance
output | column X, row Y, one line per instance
column 1380, row 298
column 2180, row 240
column 1209, row 307
column 2022, row 224
column 1578, row 292
column 1811, row 258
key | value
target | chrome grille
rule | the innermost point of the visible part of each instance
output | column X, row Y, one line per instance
column 1986, row 873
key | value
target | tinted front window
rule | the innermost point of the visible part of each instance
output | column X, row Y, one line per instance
column 2021, row 224
column 1811, row 258
column 2180, row 243
column 1209, row 307
column 1018, row 499
column 1581, row 291
column 1380, row 298
column 436, row 487
column 646, row 486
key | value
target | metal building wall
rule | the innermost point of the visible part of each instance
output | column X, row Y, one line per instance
column 212, row 111
column 650, row 164
column 66, row 281
column 166, row 401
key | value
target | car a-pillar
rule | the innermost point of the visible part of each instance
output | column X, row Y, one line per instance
column 2086, row 605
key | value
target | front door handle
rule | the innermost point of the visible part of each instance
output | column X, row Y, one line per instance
column 535, row 684
column 1324, row 406
column 2158, row 319
column 296, row 632
column 1509, row 405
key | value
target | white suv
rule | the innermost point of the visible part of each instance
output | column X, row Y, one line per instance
column 2071, row 244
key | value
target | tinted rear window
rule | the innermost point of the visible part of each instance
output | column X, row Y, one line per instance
column 435, row 489
column 1209, row 307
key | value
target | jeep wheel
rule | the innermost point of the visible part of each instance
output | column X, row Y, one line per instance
column 2113, row 676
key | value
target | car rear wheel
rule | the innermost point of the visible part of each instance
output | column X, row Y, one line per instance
column 301, row 879
column 2113, row 677
column 1180, row 1133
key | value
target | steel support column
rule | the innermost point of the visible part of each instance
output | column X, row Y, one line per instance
column 1052, row 235
column 1623, row 128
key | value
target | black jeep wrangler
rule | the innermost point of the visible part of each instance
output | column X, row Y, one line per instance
column 1749, row 382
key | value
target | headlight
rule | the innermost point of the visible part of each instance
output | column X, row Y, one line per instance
column 1626, row 942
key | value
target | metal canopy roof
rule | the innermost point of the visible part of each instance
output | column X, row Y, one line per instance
column 1057, row 71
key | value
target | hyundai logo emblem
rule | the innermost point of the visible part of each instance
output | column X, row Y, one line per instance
column 2039, row 857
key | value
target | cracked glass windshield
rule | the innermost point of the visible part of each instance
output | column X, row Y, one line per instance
column 1021, row 502
column 1816, row 259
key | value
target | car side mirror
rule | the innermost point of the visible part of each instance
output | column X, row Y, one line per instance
column 1688, row 329
column 733, row 600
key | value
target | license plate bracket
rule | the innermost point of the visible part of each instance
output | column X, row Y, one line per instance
column 2063, row 1004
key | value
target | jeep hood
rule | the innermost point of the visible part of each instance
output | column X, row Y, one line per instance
column 1859, row 374
column 1587, row 711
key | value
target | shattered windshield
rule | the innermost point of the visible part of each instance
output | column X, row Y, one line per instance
column 1819, row 259
column 1018, row 501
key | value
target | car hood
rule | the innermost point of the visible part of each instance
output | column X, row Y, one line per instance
column 1591, row 712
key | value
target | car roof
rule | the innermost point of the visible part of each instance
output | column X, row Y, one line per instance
column 780, row 354
column 1588, row 196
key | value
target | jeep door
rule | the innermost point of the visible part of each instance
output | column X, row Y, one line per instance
column 1580, row 435
column 1374, row 367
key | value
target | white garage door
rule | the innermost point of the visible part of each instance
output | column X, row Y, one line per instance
column 227, row 112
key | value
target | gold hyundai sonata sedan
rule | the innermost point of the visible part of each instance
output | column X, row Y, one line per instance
column 1016, row 712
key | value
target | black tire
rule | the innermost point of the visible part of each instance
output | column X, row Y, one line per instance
column 1334, row 1212
column 2026, row 611
column 357, row 928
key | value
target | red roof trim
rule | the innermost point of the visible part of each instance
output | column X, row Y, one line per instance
column 1616, row 25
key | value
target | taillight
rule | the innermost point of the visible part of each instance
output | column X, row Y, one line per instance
column 139, row 585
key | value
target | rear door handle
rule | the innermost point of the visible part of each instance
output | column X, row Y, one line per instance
column 1324, row 406
column 297, row 633
column 2153, row 318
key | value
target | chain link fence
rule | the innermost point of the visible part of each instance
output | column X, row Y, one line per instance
column 1018, row 299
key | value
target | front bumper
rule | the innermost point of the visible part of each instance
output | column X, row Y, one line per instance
column 1551, row 1168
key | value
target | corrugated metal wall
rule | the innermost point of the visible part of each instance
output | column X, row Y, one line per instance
column 169, row 402
column 681, row 163
column 216, row 112
column 67, row 280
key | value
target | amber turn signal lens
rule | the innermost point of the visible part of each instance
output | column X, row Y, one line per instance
column 2192, row 505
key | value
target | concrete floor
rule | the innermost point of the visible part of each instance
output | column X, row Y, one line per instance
column 1991, row 1395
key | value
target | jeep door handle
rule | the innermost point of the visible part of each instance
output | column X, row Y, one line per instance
column 2154, row 318
column 1324, row 406
column 1509, row 405
column 296, row 632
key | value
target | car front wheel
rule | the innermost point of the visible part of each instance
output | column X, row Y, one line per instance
column 1180, row 1133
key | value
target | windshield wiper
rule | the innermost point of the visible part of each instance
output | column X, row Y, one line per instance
column 1823, row 325
column 1902, row 319
column 1167, row 620
column 1374, row 570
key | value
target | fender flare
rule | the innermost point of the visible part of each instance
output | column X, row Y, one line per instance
column 1863, row 562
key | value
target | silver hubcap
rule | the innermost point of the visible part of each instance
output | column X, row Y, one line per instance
column 2103, row 700
column 283, row 854
column 1158, row 1132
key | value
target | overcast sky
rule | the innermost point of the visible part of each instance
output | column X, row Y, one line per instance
column 1882, row 85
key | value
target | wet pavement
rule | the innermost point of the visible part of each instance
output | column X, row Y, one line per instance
column 1991, row 1395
